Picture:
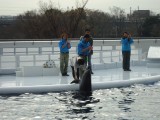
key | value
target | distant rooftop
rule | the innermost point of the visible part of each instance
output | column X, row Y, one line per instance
column 139, row 14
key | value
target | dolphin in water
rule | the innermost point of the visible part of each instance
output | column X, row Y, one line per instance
column 85, row 87
column 84, row 95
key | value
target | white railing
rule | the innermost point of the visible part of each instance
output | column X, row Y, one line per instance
column 15, row 54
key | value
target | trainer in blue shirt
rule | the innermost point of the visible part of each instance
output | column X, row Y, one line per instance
column 126, row 50
column 84, row 48
column 64, row 46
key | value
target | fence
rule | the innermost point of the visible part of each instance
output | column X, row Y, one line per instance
column 18, row 53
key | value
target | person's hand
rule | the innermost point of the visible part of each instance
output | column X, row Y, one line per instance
column 68, row 42
column 81, row 37
column 129, row 35
column 90, row 47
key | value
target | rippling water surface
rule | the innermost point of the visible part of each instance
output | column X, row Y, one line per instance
column 133, row 103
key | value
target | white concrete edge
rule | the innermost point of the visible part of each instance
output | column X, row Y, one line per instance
column 75, row 87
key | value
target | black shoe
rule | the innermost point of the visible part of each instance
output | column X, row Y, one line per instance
column 66, row 75
column 127, row 69
column 63, row 74
column 92, row 73
column 75, row 81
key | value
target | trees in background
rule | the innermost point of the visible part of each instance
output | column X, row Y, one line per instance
column 50, row 22
column 151, row 27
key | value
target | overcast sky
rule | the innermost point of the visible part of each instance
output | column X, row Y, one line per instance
column 14, row 7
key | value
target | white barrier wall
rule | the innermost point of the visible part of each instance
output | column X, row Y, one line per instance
column 15, row 54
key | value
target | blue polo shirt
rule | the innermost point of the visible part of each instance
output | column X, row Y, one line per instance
column 65, row 49
column 82, row 45
column 126, row 44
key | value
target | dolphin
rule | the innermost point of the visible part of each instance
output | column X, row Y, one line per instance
column 85, row 87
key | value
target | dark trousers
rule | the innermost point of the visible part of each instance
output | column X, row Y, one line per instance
column 126, row 59
column 75, row 75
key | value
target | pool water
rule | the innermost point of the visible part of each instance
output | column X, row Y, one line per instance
column 138, row 102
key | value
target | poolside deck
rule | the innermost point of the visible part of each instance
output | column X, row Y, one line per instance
column 99, row 76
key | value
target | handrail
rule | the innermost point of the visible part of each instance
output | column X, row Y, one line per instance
column 102, row 48
column 57, row 39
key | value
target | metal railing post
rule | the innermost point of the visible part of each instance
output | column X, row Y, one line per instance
column 27, row 51
column 53, row 50
column 17, row 61
column 101, row 55
column 139, row 54
column 1, row 51
column 34, row 60
column 111, row 56
column 0, row 62
column 119, row 55
column 40, row 50
column 14, row 51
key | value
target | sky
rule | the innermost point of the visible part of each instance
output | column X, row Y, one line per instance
column 15, row 7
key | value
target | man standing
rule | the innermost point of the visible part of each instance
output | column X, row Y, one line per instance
column 64, row 46
column 84, row 48
column 87, row 31
column 126, row 50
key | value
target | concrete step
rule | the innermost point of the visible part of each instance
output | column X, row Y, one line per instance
column 153, row 65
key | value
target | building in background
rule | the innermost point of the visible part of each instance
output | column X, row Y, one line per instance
column 139, row 15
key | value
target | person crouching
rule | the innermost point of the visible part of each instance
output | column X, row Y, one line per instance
column 77, row 65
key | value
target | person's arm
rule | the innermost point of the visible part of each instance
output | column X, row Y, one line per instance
column 62, row 44
column 87, row 49
column 65, row 44
column 130, row 40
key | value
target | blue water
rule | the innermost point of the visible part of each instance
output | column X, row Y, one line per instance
column 137, row 102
